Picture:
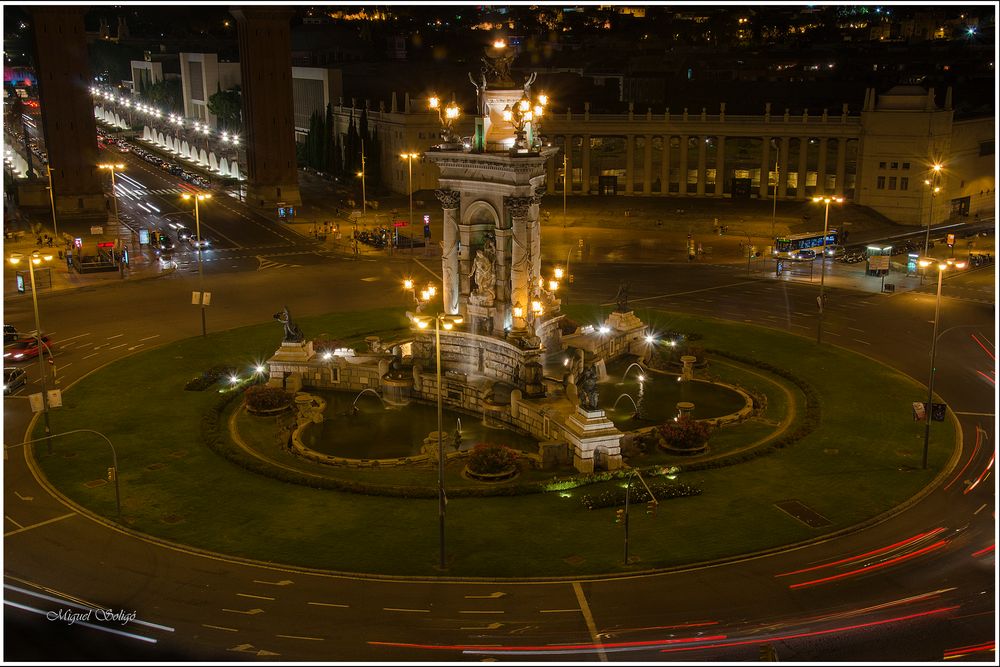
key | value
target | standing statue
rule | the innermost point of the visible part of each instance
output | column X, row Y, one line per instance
column 622, row 297
column 480, row 93
column 587, row 386
column 484, row 271
column 292, row 332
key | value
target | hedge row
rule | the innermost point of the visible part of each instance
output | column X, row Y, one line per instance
column 615, row 496
column 813, row 415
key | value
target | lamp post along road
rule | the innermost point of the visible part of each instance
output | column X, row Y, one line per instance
column 448, row 321
column 409, row 161
column 364, row 197
column 114, row 195
column 52, row 202
column 932, row 185
column 37, row 258
column 565, row 187
column 822, row 275
column 197, row 230
column 942, row 267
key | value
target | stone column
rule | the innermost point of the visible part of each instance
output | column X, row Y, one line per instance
column 683, row 167
column 783, row 168
column 647, row 165
column 266, row 80
column 800, row 191
column 519, row 255
column 551, row 169
column 465, row 262
column 702, row 159
column 841, row 164
column 765, row 166
column 68, row 123
column 450, row 200
column 720, row 166
column 665, row 167
column 585, row 165
column 629, row 163
column 503, row 237
column 535, row 233
column 821, row 168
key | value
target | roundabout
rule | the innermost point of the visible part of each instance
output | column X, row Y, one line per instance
column 808, row 465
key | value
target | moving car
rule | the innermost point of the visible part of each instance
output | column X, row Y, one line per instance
column 805, row 254
column 9, row 334
column 205, row 242
column 183, row 233
column 160, row 242
column 26, row 348
column 13, row 379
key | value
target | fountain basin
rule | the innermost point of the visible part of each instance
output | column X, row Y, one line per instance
column 393, row 432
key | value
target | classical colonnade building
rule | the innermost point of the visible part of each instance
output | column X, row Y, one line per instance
column 879, row 157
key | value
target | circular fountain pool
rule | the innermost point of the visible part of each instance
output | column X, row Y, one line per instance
column 658, row 394
column 376, row 432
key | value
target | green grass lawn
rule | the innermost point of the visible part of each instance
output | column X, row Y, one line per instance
column 863, row 459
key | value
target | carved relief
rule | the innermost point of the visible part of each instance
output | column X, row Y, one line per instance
column 518, row 206
column 449, row 199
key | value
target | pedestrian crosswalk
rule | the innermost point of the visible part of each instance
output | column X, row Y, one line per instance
column 263, row 264
column 162, row 191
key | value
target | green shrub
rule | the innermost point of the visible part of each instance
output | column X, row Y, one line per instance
column 491, row 459
column 684, row 433
column 261, row 397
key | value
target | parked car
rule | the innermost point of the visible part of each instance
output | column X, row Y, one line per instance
column 26, row 348
column 13, row 379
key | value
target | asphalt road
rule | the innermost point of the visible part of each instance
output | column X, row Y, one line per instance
column 924, row 592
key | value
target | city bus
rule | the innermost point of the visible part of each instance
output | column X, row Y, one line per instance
column 804, row 246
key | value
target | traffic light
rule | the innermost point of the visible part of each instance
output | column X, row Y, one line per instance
column 938, row 411
column 111, row 474
column 651, row 507
column 619, row 515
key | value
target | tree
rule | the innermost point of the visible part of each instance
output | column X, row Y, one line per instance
column 328, row 139
column 227, row 106
column 167, row 93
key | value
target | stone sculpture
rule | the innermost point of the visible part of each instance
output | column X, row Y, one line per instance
column 622, row 297
column 484, row 272
column 292, row 332
column 587, row 388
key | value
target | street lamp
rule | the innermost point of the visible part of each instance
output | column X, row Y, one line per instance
column 942, row 265
column 932, row 184
column 822, row 276
column 114, row 192
column 37, row 258
column 426, row 294
column 409, row 157
column 52, row 202
column 197, row 230
column 448, row 322
column 566, row 183
column 364, row 196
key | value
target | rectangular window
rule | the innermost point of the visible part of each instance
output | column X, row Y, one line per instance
column 906, row 165
column 881, row 165
column 904, row 183
column 880, row 183
column 892, row 182
column 893, row 165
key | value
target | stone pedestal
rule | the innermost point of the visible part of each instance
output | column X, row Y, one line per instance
column 623, row 321
column 687, row 370
column 292, row 352
column 592, row 435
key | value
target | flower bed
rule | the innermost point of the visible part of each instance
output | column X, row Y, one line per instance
column 263, row 400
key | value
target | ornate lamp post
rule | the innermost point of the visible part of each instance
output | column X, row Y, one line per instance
column 942, row 266
column 822, row 276
column 33, row 259
column 447, row 115
column 520, row 116
column 197, row 230
column 448, row 322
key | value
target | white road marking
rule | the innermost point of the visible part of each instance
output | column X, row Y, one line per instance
column 255, row 597
column 415, row 611
column 310, row 639
column 91, row 355
column 218, row 627
column 39, row 524
column 329, row 604
column 863, row 342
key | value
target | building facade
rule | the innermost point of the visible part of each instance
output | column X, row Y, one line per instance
column 878, row 158
column 202, row 75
